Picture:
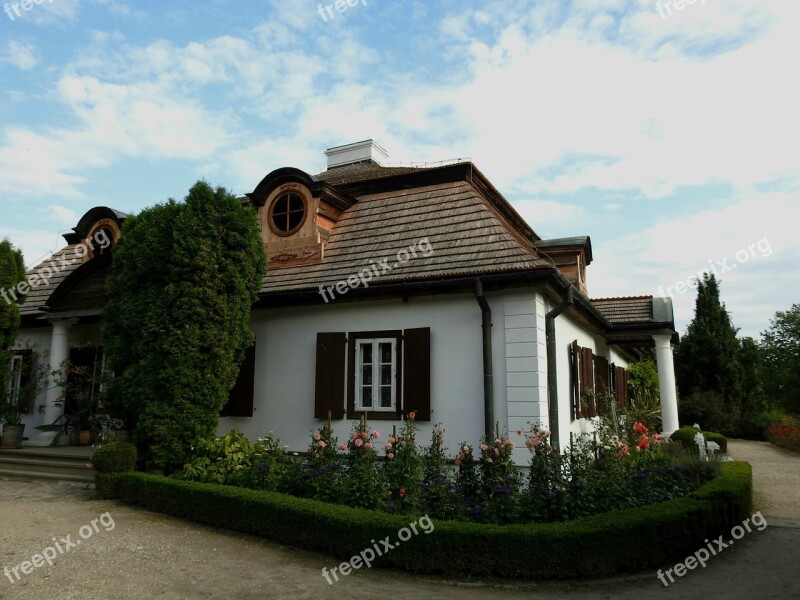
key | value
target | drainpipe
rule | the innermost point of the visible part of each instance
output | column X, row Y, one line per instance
column 488, row 378
column 552, row 375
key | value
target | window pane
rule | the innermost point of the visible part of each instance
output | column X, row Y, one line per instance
column 280, row 206
column 295, row 219
column 386, row 375
column 366, row 354
column 386, row 396
column 386, row 352
column 295, row 203
column 366, row 375
column 366, row 397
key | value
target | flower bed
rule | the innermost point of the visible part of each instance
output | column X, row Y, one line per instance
column 785, row 433
column 624, row 467
column 621, row 541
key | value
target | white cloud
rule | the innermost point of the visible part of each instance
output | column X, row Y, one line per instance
column 21, row 55
column 752, row 245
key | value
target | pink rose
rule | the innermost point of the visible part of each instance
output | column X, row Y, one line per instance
column 484, row 447
column 353, row 435
column 388, row 446
column 365, row 435
column 359, row 442
column 391, row 440
column 390, row 456
column 368, row 446
column 376, row 434
column 316, row 437
column 342, row 446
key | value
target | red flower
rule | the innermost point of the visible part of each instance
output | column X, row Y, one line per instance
column 402, row 492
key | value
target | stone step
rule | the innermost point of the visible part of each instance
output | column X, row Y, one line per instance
column 52, row 464
column 29, row 463
column 43, row 475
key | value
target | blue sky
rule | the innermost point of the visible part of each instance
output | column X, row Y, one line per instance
column 669, row 136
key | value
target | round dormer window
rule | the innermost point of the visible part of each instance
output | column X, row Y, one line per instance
column 287, row 213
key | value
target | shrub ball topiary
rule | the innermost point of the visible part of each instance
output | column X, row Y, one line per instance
column 685, row 436
column 114, row 457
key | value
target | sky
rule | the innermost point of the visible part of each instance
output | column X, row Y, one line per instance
column 666, row 131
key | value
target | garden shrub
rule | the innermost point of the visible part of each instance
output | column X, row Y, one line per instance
column 110, row 461
column 114, row 457
column 685, row 437
column 623, row 541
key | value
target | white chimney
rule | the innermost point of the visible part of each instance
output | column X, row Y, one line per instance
column 359, row 152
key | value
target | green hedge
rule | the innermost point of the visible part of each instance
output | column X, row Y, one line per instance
column 623, row 541
column 685, row 436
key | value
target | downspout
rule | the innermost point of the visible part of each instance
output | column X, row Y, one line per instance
column 488, row 377
column 552, row 375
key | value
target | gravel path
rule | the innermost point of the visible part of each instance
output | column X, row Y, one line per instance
column 148, row 555
column 776, row 478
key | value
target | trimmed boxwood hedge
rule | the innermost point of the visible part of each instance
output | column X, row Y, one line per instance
column 623, row 541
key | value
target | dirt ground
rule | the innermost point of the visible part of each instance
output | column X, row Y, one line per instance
column 148, row 555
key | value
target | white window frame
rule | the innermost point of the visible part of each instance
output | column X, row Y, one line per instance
column 376, row 385
column 15, row 380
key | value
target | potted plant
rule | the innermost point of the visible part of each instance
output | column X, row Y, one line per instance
column 84, row 384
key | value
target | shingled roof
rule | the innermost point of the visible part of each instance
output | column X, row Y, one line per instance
column 631, row 309
column 466, row 237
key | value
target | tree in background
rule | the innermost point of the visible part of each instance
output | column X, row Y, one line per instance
column 12, row 271
column 177, row 324
column 781, row 347
column 708, row 367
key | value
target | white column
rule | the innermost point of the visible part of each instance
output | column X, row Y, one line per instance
column 666, row 384
column 59, row 352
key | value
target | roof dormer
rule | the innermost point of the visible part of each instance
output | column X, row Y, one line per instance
column 296, row 215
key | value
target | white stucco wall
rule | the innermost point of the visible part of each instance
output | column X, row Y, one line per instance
column 567, row 331
column 285, row 365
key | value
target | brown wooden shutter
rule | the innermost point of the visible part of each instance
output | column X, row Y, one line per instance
column 587, row 380
column 574, row 372
column 601, row 381
column 329, row 390
column 620, row 386
column 417, row 372
column 240, row 398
